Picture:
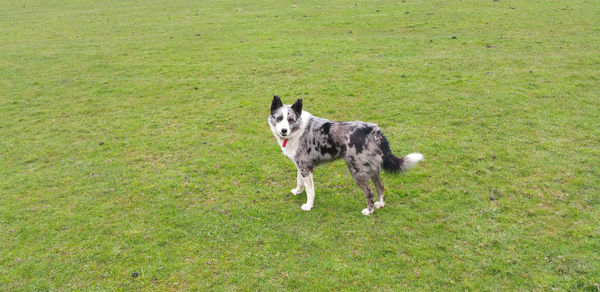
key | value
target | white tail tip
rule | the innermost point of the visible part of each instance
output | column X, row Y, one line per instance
column 411, row 159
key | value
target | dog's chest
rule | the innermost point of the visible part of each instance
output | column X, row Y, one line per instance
column 290, row 149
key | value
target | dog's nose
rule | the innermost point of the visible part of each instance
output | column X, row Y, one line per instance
column 283, row 131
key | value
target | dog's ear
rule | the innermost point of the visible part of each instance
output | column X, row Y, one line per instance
column 297, row 106
column 276, row 104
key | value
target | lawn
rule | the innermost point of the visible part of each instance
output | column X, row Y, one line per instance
column 135, row 152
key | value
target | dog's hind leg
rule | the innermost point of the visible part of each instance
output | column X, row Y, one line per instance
column 379, row 187
column 363, row 183
column 299, row 184
column 362, row 180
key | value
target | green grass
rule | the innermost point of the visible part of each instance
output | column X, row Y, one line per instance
column 133, row 138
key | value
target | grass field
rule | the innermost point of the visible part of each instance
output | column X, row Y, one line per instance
column 133, row 139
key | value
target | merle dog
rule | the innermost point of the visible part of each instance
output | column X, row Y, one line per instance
column 308, row 141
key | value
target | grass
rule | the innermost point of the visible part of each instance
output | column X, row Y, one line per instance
column 134, row 139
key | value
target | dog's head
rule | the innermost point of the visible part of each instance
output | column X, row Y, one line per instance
column 285, row 120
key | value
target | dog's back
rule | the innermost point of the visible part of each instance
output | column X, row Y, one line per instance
column 362, row 145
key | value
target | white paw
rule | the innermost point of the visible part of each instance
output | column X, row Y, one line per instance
column 379, row 204
column 296, row 191
column 306, row 207
column 367, row 212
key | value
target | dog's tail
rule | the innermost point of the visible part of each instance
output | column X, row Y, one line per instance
column 392, row 163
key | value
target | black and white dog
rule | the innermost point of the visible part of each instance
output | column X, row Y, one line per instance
column 309, row 141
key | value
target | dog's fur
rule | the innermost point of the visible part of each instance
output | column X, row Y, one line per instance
column 312, row 140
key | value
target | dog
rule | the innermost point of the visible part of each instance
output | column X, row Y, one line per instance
column 309, row 141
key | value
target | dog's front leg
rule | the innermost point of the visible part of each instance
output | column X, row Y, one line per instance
column 310, row 191
column 299, row 184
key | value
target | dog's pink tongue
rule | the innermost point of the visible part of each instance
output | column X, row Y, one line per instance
column 284, row 142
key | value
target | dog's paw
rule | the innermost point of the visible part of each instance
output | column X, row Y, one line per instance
column 296, row 191
column 306, row 207
column 379, row 204
column 367, row 212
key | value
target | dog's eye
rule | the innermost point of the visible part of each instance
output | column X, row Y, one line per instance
column 290, row 120
column 279, row 118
